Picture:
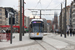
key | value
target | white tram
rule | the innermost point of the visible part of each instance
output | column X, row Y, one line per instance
column 36, row 28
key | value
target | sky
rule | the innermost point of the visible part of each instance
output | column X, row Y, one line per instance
column 37, row 4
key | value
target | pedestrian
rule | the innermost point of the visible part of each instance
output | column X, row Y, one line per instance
column 71, row 31
column 3, row 31
column 7, row 30
column 7, row 33
column 68, row 32
column 0, row 36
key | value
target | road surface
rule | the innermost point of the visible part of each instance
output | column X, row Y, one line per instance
column 50, row 41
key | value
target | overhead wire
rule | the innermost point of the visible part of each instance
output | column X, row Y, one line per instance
column 49, row 4
column 38, row 3
column 59, row 4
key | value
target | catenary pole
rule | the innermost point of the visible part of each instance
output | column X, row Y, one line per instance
column 20, row 36
column 61, row 21
column 65, row 21
column 11, row 30
column 23, row 17
column 40, row 14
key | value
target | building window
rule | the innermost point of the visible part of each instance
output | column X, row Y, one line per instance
column 0, row 17
column 0, row 22
column 0, row 9
column 73, row 25
column 0, row 13
column 73, row 15
column 73, row 20
column 73, row 11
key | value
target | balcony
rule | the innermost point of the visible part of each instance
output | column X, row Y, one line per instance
column 73, row 23
column 74, row 27
column 73, row 13
column 73, row 3
column 73, row 18
column 73, row 9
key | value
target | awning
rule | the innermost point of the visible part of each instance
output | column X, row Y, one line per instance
column 13, row 26
column 25, row 27
column 5, row 26
column 16, row 26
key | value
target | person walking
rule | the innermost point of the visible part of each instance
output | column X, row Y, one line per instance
column 7, row 30
column 7, row 33
column 71, row 31
column 68, row 32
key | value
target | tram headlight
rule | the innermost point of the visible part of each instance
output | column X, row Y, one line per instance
column 32, row 33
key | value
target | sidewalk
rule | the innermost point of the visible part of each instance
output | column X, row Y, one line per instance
column 68, row 38
column 55, row 40
column 62, row 43
column 16, row 42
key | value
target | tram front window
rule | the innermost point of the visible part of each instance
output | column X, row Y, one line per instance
column 37, row 27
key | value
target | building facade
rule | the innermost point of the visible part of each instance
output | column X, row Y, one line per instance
column 2, row 16
column 49, row 25
column 55, row 21
column 16, row 18
column 67, row 17
column 73, row 14
column 5, row 15
column 26, row 21
column 45, row 24
column 8, row 15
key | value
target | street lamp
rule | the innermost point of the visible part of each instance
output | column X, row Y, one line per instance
column 11, row 14
column 11, row 25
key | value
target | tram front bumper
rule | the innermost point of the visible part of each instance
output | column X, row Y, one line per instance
column 36, row 35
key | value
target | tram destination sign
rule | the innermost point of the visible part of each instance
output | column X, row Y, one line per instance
column 36, row 22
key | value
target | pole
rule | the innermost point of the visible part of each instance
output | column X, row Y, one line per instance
column 23, row 17
column 20, row 37
column 11, row 31
column 65, row 21
column 61, row 21
column 40, row 14
column 71, row 16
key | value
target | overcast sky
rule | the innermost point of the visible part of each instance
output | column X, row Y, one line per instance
column 41, row 4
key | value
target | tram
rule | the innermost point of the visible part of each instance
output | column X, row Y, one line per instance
column 36, row 28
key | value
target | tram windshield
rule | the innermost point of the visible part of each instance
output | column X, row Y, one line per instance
column 37, row 27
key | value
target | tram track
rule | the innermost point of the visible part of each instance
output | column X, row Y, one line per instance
column 66, row 41
column 39, row 42
column 45, row 45
column 24, row 45
column 69, row 42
